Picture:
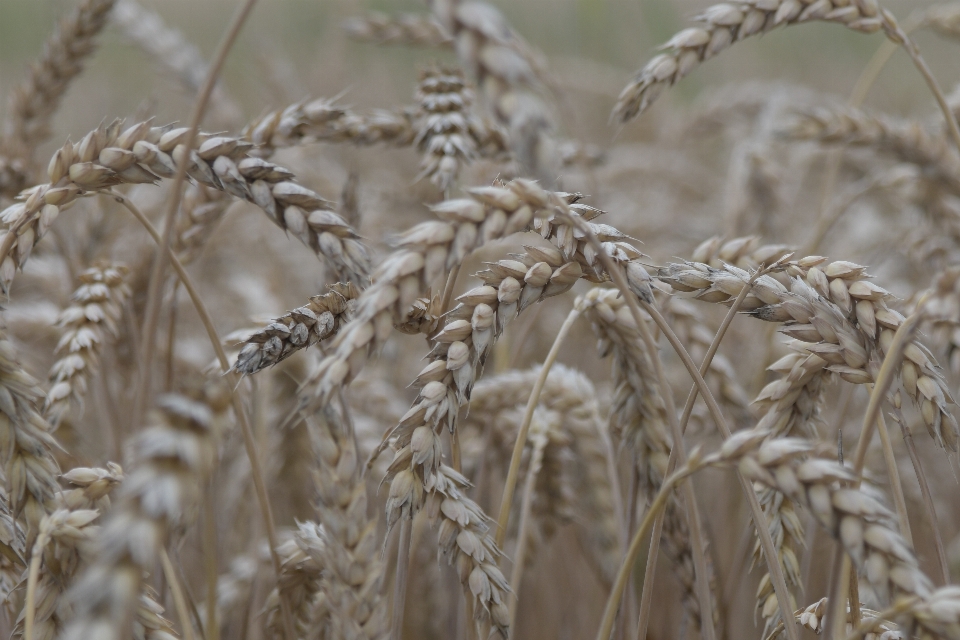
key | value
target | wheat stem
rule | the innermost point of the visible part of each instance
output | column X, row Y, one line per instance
column 510, row 484
column 152, row 313
column 893, row 476
column 400, row 584
column 179, row 601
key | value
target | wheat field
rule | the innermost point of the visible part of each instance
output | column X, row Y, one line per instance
column 464, row 320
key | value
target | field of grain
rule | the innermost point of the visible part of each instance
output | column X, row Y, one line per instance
column 455, row 319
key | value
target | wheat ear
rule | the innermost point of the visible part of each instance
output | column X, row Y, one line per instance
column 34, row 102
column 408, row 29
column 299, row 580
column 321, row 318
column 88, row 322
column 171, row 460
column 142, row 153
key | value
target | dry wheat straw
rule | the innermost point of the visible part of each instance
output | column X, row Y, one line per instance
column 142, row 153
column 88, row 322
column 408, row 29
column 321, row 318
column 638, row 417
column 730, row 22
column 171, row 460
column 34, row 102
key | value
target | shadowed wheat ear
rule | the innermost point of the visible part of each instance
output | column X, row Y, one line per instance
column 903, row 140
column 142, row 153
column 730, row 22
column 353, row 570
column 638, row 418
column 171, row 460
column 88, row 322
column 837, row 314
column 321, row 318
column 34, row 102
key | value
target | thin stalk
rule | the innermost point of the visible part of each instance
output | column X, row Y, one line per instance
column 152, row 313
column 766, row 542
column 210, row 547
column 400, row 584
column 30, row 606
column 646, row 597
column 179, row 602
column 854, row 596
column 506, row 502
column 927, row 498
column 526, row 503
column 836, row 600
column 633, row 552
column 256, row 471
column 893, row 475
column 448, row 289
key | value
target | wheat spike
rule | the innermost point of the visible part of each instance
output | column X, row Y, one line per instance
column 142, row 153
column 408, row 29
column 87, row 323
column 730, row 22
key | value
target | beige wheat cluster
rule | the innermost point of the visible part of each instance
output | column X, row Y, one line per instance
column 484, row 367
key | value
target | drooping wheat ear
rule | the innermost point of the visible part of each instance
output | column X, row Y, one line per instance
column 235, row 588
column 319, row 319
column 572, row 395
column 34, row 102
column 425, row 252
column 730, row 22
column 745, row 252
column 410, row 29
column 837, row 314
column 172, row 50
column 509, row 73
column 109, row 156
column 447, row 131
column 87, row 323
column 171, row 461
column 638, row 417
column 865, row 527
column 200, row 213
column 299, row 581
column 27, row 444
column 321, row 120
column 353, row 571
column 905, row 141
